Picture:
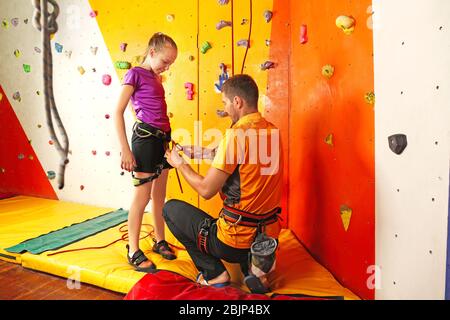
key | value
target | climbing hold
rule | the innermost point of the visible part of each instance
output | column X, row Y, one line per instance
column 268, row 42
column 39, row 126
column 222, row 78
column 244, row 21
column 123, row 65
column 51, row 175
column 108, row 153
column 94, row 152
column 346, row 23
column 268, row 15
column 20, row 156
column 329, row 140
column 191, row 58
column 346, row 214
column 267, row 65
column 205, row 47
column 93, row 13
column 107, row 116
column 58, row 47
column 2, row 170
column 37, row 49
column 137, row 60
column 38, row 92
column 397, row 143
column 190, row 90
column 16, row 96
column 1, row 96
column 5, row 24
column 94, row 50
column 30, row 157
column 327, row 71
column 123, row 46
column 170, row 114
column 50, row 142
column 17, row 53
column 26, row 68
column 15, row 22
column 170, row 17
column 68, row 53
column 223, row 2
column 370, row 97
column 222, row 113
column 81, row 187
column 81, row 70
column 122, row 173
column 303, row 34
column 222, row 24
column 25, row 21
column 243, row 43
column 94, row 70
column 106, row 79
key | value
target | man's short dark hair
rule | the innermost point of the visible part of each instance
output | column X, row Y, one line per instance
column 243, row 86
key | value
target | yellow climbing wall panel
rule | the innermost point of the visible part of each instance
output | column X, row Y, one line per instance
column 210, row 13
column 134, row 22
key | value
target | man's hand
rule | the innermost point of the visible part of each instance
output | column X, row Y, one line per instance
column 195, row 152
column 173, row 158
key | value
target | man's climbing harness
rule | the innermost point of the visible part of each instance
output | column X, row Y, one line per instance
column 45, row 22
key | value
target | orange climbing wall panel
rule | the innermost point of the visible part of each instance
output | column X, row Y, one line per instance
column 19, row 175
column 324, row 177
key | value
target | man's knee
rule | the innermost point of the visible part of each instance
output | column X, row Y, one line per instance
column 170, row 208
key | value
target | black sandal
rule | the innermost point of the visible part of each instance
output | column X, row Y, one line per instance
column 136, row 260
column 163, row 249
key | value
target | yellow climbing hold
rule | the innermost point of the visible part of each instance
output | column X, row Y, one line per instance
column 170, row 17
column 1, row 96
column 329, row 140
column 137, row 60
column 370, row 97
column 346, row 23
column 17, row 53
column 346, row 214
column 327, row 71
column 81, row 70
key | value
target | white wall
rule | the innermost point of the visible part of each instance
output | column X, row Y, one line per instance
column 412, row 54
column 82, row 100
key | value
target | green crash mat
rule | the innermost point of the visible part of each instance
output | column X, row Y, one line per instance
column 60, row 238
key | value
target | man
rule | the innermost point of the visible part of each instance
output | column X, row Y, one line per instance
column 251, row 186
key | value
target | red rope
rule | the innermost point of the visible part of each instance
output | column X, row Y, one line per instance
column 124, row 237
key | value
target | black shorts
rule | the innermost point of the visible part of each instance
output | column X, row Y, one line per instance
column 149, row 151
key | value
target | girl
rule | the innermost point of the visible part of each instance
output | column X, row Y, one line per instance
column 151, row 132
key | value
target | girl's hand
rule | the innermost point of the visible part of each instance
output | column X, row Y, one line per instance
column 127, row 161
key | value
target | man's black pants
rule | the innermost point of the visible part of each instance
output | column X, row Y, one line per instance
column 185, row 221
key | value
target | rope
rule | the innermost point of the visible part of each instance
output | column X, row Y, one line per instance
column 123, row 229
column 45, row 22
column 249, row 36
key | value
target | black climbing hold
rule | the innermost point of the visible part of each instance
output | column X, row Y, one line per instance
column 397, row 143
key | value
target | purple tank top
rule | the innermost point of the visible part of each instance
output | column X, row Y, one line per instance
column 148, row 97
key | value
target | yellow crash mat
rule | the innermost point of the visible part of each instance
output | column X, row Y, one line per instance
column 22, row 218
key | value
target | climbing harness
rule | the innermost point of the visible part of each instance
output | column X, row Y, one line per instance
column 147, row 133
column 46, row 23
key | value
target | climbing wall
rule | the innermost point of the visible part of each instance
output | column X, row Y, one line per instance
column 227, row 47
column 412, row 81
column 331, row 131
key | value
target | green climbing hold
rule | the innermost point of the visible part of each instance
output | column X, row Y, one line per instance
column 5, row 24
column 205, row 47
column 123, row 65
column 27, row 68
column 51, row 175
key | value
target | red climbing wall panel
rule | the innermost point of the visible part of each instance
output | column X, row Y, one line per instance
column 324, row 177
column 19, row 175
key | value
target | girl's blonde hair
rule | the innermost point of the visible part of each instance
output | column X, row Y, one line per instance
column 158, row 41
